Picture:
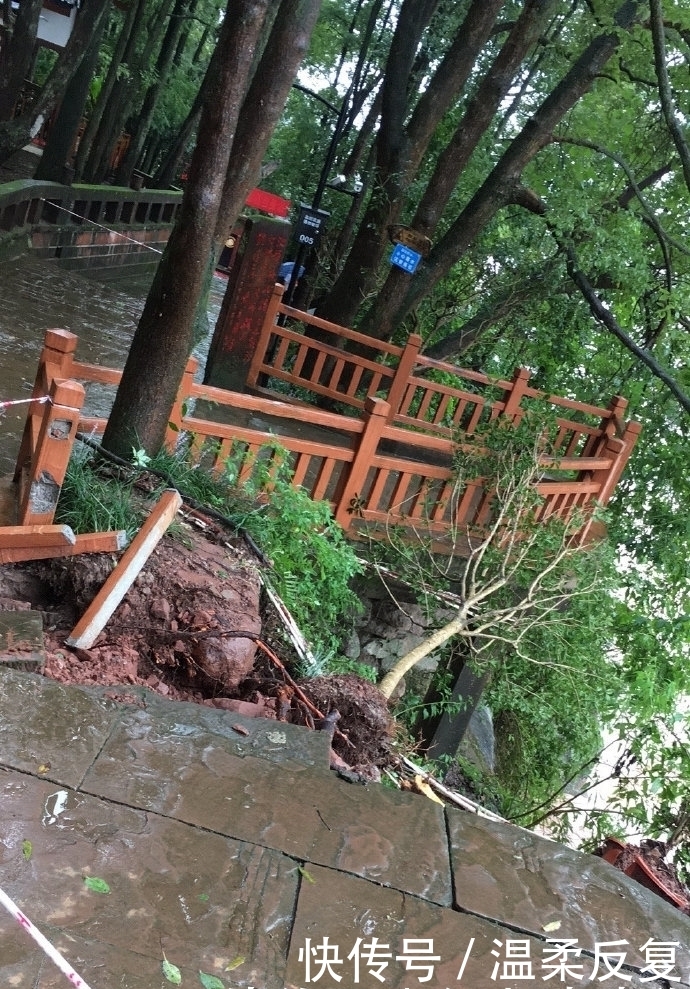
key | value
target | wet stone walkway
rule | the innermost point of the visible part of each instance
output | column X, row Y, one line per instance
column 230, row 849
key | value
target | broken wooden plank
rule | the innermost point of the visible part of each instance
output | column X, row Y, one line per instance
column 95, row 542
column 92, row 622
column 21, row 536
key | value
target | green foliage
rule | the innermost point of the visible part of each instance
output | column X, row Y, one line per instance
column 541, row 613
column 312, row 562
column 326, row 664
column 94, row 499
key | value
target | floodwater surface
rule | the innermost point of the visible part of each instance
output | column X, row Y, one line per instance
column 37, row 295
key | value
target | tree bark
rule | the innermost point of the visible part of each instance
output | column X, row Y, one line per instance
column 134, row 12
column 453, row 160
column 14, row 134
column 126, row 93
column 153, row 93
column 16, row 54
column 400, row 147
column 163, row 338
column 499, row 187
column 65, row 127
column 169, row 167
column 284, row 49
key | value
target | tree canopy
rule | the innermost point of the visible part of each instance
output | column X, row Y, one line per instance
column 542, row 147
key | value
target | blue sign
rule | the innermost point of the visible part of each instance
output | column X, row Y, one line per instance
column 405, row 258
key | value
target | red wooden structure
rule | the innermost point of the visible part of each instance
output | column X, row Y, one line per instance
column 390, row 463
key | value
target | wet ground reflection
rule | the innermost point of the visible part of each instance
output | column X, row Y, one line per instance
column 36, row 295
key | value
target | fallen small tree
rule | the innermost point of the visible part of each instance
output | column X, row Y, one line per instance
column 520, row 573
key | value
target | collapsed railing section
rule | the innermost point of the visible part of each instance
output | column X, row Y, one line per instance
column 372, row 472
column 51, row 425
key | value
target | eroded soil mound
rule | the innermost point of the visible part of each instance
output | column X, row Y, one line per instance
column 364, row 718
column 195, row 627
column 177, row 630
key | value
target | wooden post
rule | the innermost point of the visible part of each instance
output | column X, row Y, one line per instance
column 376, row 414
column 48, row 463
column 403, row 373
column 248, row 297
column 514, row 397
column 610, row 426
column 93, row 621
column 619, row 451
column 267, row 329
column 178, row 411
column 57, row 357
column 444, row 733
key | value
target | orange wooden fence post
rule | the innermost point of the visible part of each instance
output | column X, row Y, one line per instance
column 514, row 397
column 59, row 348
column 619, row 450
column 267, row 327
column 376, row 414
column 403, row 373
column 179, row 409
column 55, row 361
column 43, row 473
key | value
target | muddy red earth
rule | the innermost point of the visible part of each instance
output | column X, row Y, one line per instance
column 196, row 627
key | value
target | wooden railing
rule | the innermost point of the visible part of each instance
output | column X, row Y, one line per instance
column 311, row 356
column 372, row 471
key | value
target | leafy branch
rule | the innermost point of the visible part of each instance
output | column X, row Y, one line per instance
column 517, row 578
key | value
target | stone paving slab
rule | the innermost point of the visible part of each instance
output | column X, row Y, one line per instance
column 394, row 838
column 472, row 952
column 21, row 640
column 43, row 723
column 273, row 741
column 531, row 882
column 203, row 899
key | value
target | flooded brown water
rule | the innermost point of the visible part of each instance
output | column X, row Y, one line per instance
column 36, row 295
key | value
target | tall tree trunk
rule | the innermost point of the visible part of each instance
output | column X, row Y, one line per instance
column 14, row 134
column 63, row 133
column 284, row 49
column 501, row 185
column 400, row 146
column 169, row 167
column 16, row 54
column 162, row 340
column 135, row 11
column 126, row 94
column 153, row 93
column 452, row 161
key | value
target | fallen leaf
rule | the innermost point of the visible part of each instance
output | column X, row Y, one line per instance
column 96, row 885
column 171, row 972
column 44, row 767
column 553, row 926
column 424, row 788
column 305, row 874
column 240, row 729
column 210, row 981
column 27, row 849
column 235, row 963
column 204, row 897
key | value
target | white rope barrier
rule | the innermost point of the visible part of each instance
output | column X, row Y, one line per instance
column 116, row 233
column 42, row 941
